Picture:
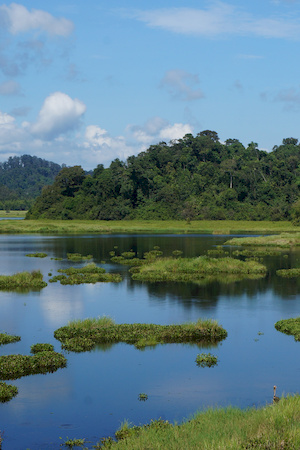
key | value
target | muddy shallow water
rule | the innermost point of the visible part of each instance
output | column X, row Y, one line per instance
column 99, row 389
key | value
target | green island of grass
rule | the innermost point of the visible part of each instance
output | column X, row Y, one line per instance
column 8, row 338
column 288, row 273
column 87, row 274
column 22, row 280
column 289, row 326
column 7, row 392
column 276, row 426
column 283, row 240
column 78, row 257
column 191, row 269
column 83, row 335
column 37, row 255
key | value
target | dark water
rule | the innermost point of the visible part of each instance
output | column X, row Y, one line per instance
column 99, row 389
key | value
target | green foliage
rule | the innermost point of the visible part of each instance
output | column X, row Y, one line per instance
column 36, row 348
column 289, row 326
column 142, row 397
column 83, row 335
column 191, row 178
column 87, row 274
column 70, row 443
column 22, row 280
column 7, row 392
column 37, row 255
column 8, row 339
column 206, row 360
column 78, row 257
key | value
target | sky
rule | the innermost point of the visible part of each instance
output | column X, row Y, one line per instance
column 84, row 83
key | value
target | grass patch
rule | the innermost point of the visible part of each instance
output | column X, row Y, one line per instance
column 289, row 326
column 206, row 360
column 83, row 335
column 283, row 240
column 7, row 392
column 8, row 338
column 144, row 226
column 191, row 269
column 87, row 274
column 36, row 348
column 22, row 280
column 274, row 427
column 17, row 366
column 12, row 214
column 78, row 257
column 249, row 253
column 288, row 273
column 37, row 255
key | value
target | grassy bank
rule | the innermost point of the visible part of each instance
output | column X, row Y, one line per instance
column 83, row 335
column 283, row 240
column 144, row 226
column 191, row 269
column 274, row 427
column 10, row 214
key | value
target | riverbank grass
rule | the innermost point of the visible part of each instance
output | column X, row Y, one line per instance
column 191, row 269
column 22, row 280
column 289, row 326
column 273, row 427
column 83, row 335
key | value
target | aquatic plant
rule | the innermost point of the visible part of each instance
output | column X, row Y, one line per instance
column 142, row 397
column 7, row 392
column 283, row 240
column 83, row 335
column 87, row 274
column 206, row 360
column 191, row 269
column 177, row 253
column 36, row 348
column 78, row 257
column 32, row 280
column 70, row 443
column 289, row 326
column 17, row 366
column 8, row 338
column 37, row 255
column 288, row 273
column 257, row 253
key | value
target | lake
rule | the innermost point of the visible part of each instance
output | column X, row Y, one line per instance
column 98, row 390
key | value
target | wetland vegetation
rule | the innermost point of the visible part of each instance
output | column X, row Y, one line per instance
column 22, row 280
column 8, row 338
column 90, row 273
column 7, row 392
column 206, row 360
column 289, row 326
column 283, row 240
column 83, row 335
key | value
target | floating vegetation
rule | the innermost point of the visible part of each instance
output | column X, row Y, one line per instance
column 218, row 251
column 288, row 273
column 128, row 255
column 36, row 348
column 57, row 259
column 83, row 335
column 128, row 258
column 87, row 274
column 78, row 257
column 37, row 255
column 7, row 392
column 206, row 360
column 17, row 366
column 8, row 338
column 177, row 253
column 70, row 443
column 191, row 269
column 289, row 326
column 283, row 240
column 143, row 397
column 257, row 253
column 22, row 280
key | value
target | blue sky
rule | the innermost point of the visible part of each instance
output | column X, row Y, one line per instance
column 87, row 82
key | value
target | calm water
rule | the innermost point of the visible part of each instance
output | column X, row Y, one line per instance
column 99, row 389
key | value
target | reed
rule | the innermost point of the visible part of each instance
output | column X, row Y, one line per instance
column 22, row 280
column 276, row 427
column 84, row 335
column 289, row 326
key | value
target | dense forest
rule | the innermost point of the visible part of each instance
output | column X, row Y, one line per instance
column 22, row 179
column 190, row 178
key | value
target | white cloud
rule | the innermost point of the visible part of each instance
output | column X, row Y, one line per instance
column 218, row 20
column 9, row 87
column 19, row 19
column 59, row 114
column 181, row 85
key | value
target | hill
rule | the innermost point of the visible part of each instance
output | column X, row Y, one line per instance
column 22, row 179
column 190, row 178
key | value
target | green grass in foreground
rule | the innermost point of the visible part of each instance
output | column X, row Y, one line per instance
column 283, row 240
column 274, row 427
column 22, row 280
column 190, row 269
column 83, row 335
column 143, row 226
column 289, row 326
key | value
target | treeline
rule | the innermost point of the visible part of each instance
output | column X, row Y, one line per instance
column 190, row 178
column 22, row 179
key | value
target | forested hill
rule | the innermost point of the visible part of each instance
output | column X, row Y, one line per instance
column 192, row 178
column 22, row 179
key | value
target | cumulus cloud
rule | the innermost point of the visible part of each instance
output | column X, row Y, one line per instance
column 18, row 19
column 181, row 85
column 9, row 87
column 219, row 19
column 59, row 114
